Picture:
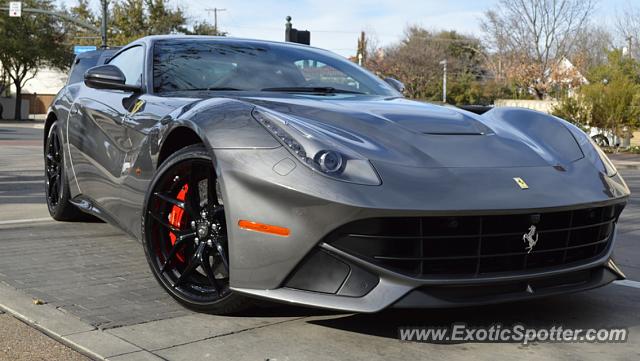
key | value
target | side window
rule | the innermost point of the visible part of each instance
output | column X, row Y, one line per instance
column 131, row 63
column 80, row 66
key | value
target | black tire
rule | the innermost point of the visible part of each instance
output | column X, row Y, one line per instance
column 56, row 184
column 173, row 220
column 601, row 140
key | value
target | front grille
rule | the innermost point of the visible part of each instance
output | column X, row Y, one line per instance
column 476, row 246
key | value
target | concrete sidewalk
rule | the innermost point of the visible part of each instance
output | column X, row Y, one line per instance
column 21, row 342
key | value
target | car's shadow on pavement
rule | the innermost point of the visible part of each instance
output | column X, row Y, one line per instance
column 583, row 310
column 269, row 309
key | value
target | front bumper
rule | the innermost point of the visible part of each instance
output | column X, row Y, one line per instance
column 398, row 291
column 255, row 188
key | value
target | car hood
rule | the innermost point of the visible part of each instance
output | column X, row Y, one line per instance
column 417, row 134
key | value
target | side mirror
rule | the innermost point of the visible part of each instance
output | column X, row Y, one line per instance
column 396, row 84
column 108, row 77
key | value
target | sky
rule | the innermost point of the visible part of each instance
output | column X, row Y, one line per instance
column 335, row 25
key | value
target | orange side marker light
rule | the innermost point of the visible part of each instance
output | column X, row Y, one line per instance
column 264, row 228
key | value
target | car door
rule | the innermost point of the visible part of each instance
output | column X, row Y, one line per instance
column 100, row 147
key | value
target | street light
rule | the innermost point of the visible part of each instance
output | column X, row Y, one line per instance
column 444, row 80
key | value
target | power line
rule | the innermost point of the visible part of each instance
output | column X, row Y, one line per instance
column 215, row 15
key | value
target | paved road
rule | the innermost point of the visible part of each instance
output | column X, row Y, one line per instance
column 94, row 273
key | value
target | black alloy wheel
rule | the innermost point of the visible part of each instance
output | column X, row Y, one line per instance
column 185, row 233
column 56, row 187
column 53, row 169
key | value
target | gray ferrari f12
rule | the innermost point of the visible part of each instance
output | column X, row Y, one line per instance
column 254, row 169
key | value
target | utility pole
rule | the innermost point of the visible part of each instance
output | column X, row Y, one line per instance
column 444, row 80
column 103, row 29
column 362, row 48
column 215, row 17
column 629, row 38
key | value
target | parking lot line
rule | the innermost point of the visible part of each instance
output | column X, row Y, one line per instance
column 628, row 283
column 27, row 220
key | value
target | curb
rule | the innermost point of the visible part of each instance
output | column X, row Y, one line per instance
column 65, row 328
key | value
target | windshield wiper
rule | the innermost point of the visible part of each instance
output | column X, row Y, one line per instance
column 219, row 88
column 321, row 89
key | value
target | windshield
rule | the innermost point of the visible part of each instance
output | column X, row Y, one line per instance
column 182, row 65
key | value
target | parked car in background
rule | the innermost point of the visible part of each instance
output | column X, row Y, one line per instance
column 604, row 137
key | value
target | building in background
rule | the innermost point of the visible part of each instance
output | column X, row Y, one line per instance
column 41, row 90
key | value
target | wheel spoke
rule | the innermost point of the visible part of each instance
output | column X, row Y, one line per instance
column 177, row 246
column 206, row 266
column 223, row 255
column 192, row 202
column 217, row 210
column 168, row 199
column 212, row 195
column 53, row 188
column 56, row 147
column 52, row 159
column 194, row 262
column 164, row 224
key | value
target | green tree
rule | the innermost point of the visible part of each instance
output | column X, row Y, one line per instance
column 133, row 19
column 614, row 93
column 610, row 100
column 573, row 109
column 204, row 28
column 163, row 20
column 415, row 60
column 29, row 43
column 129, row 20
column 80, row 36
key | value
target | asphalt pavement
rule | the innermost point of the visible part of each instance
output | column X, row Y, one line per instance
column 99, row 297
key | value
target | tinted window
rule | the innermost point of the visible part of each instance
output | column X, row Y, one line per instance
column 320, row 74
column 81, row 65
column 131, row 63
column 180, row 65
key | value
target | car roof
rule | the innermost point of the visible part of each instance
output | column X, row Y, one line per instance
column 96, row 53
column 153, row 38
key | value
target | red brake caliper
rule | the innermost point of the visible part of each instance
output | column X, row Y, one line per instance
column 175, row 218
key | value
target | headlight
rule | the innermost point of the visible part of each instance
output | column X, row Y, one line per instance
column 317, row 150
column 592, row 151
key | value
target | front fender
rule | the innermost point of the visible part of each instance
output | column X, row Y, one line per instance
column 224, row 123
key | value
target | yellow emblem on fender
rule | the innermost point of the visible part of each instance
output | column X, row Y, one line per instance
column 521, row 183
column 137, row 106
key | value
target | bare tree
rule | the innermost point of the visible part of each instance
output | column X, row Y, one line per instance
column 592, row 46
column 628, row 26
column 528, row 37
